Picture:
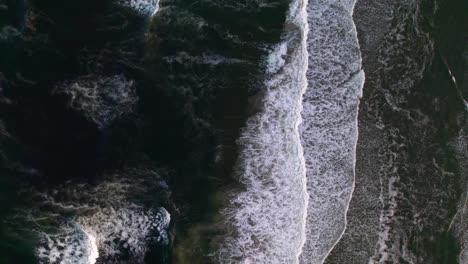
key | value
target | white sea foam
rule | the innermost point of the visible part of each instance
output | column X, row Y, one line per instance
column 329, row 130
column 266, row 220
column 142, row 7
column 106, row 234
column 94, row 253
column 100, row 99
column 277, row 58
column 80, row 223
column 66, row 247
column 125, row 231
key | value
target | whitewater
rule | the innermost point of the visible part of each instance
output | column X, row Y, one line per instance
column 297, row 155
column 329, row 130
column 266, row 220
column 104, row 221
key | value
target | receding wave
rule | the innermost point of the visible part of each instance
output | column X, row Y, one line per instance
column 458, row 223
column 408, row 178
column 266, row 219
column 329, row 129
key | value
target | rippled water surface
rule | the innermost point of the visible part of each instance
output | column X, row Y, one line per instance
column 218, row 131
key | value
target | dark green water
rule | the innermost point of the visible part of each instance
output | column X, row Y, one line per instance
column 196, row 68
column 193, row 67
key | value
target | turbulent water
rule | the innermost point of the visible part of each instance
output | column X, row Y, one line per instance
column 329, row 131
column 268, row 217
column 409, row 178
column 387, row 221
column 217, row 131
column 80, row 222
column 115, row 217
column 142, row 7
column 275, row 215
column 103, row 221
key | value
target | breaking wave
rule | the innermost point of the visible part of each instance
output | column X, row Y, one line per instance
column 116, row 220
column 267, row 219
column 299, row 178
column 141, row 7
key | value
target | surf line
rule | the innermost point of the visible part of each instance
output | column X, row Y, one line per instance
column 267, row 218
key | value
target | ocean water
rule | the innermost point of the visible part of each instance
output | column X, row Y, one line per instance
column 72, row 193
column 329, row 131
column 217, row 131
column 78, row 223
column 405, row 208
column 266, row 220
